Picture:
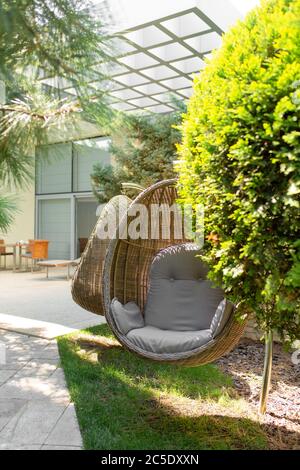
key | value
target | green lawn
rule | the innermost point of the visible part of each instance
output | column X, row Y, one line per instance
column 124, row 402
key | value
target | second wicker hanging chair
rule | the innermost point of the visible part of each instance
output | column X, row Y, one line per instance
column 87, row 280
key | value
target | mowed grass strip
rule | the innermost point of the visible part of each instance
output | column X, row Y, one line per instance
column 125, row 402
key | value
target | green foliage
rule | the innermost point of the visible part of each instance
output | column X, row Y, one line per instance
column 60, row 39
column 59, row 35
column 143, row 148
column 22, row 126
column 56, row 38
column 7, row 211
column 16, row 169
column 106, row 182
column 240, row 158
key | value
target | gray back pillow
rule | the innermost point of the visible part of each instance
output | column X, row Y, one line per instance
column 180, row 297
column 127, row 317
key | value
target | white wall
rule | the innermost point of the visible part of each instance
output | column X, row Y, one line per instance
column 23, row 226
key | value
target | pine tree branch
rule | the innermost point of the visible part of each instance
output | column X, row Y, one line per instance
column 63, row 110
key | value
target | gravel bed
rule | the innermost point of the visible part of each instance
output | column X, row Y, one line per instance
column 282, row 420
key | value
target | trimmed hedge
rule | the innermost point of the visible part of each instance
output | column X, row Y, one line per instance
column 240, row 158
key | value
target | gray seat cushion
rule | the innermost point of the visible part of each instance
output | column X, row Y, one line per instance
column 127, row 317
column 180, row 297
column 183, row 311
column 159, row 341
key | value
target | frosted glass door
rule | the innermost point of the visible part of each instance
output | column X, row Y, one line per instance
column 54, row 224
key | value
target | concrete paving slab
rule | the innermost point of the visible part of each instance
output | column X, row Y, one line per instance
column 29, row 326
column 9, row 446
column 38, row 368
column 5, row 375
column 32, row 387
column 66, row 432
column 33, row 423
column 35, row 409
column 88, row 323
column 13, row 366
column 9, row 409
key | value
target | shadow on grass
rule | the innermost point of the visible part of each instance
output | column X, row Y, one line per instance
column 125, row 402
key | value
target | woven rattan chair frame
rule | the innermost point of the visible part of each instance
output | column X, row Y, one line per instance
column 126, row 277
column 87, row 280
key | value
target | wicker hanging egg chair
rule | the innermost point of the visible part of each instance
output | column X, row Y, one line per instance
column 87, row 280
column 135, row 269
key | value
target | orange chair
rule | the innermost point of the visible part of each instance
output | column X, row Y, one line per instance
column 4, row 253
column 36, row 250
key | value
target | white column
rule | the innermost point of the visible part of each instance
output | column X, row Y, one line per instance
column 73, row 239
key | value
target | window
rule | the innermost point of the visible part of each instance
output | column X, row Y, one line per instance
column 85, row 154
column 66, row 168
column 54, row 169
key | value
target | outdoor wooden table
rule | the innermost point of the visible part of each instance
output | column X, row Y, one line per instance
column 14, row 246
column 58, row 263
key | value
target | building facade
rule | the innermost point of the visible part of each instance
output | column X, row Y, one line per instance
column 160, row 46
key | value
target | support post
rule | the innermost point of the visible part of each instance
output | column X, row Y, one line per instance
column 266, row 381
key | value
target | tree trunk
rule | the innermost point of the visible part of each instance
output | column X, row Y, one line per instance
column 267, row 372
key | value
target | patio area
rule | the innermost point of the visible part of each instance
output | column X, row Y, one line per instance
column 35, row 406
column 32, row 304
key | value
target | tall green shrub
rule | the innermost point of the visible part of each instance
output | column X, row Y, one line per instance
column 240, row 158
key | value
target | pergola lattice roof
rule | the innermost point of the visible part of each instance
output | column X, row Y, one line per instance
column 153, row 61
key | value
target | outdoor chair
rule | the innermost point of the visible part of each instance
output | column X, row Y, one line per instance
column 153, row 290
column 158, row 300
column 4, row 253
column 185, row 318
column 36, row 250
